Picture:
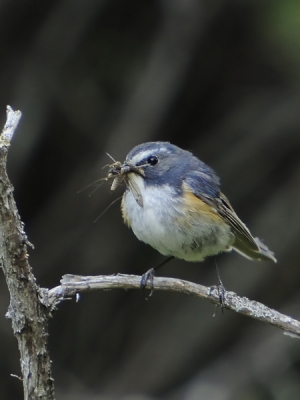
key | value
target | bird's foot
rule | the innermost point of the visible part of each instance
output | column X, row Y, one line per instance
column 221, row 293
column 147, row 280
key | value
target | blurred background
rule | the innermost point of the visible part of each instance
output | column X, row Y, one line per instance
column 219, row 78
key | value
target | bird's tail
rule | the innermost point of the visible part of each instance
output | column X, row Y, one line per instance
column 261, row 252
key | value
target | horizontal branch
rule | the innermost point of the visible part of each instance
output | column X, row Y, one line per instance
column 71, row 285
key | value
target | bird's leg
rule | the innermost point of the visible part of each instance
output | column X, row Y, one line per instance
column 220, row 288
column 148, row 276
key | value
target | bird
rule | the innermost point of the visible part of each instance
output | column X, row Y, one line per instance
column 173, row 202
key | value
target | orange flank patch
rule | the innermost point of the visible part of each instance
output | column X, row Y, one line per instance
column 198, row 209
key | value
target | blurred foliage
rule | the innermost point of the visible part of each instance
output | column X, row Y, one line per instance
column 218, row 78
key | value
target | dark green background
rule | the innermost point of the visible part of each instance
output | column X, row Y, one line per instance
column 220, row 78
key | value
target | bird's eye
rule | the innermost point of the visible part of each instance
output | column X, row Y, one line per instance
column 152, row 160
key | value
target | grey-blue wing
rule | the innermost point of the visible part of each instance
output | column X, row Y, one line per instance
column 245, row 244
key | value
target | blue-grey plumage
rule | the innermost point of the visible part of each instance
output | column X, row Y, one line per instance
column 173, row 202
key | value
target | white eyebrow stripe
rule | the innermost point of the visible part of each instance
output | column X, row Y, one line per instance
column 147, row 153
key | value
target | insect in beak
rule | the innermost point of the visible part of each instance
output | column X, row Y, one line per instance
column 115, row 171
column 122, row 172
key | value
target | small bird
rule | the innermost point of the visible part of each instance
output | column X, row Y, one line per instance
column 173, row 202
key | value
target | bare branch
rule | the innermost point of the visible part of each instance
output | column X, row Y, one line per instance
column 73, row 284
column 12, row 120
column 29, row 317
column 30, row 306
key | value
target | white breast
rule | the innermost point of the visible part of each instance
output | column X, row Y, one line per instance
column 157, row 223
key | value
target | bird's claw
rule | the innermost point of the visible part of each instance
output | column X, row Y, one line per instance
column 147, row 280
column 221, row 294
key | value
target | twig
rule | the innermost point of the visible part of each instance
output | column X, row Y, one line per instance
column 73, row 284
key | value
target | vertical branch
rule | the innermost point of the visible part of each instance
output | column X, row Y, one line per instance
column 29, row 318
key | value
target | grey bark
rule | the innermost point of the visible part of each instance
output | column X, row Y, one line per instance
column 29, row 317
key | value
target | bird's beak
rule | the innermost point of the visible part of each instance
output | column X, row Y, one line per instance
column 118, row 169
column 127, row 168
